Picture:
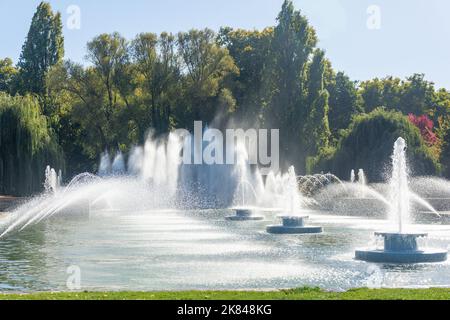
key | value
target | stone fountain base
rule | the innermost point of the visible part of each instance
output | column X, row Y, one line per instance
column 244, row 215
column 401, row 248
column 293, row 225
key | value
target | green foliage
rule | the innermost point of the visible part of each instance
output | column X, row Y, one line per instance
column 345, row 102
column 43, row 48
column 413, row 95
column 8, row 75
column 250, row 51
column 27, row 146
column 293, row 43
column 317, row 129
column 445, row 154
column 207, row 67
column 368, row 144
column 158, row 72
column 316, row 132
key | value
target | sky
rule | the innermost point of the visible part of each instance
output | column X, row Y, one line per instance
column 364, row 38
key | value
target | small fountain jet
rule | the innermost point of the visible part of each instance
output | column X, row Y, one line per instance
column 400, row 247
column 352, row 176
column 293, row 223
column 52, row 180
column 244, row 212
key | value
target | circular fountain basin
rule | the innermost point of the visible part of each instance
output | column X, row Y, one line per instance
column 244, row 215
column 293, row 225
column 401, row 248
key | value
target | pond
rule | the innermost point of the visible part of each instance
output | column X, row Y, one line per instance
column 199, row 249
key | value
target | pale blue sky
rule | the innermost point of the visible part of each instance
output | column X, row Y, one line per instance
column 414, row 34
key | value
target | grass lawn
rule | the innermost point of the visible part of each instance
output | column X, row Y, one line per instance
column 292, row 294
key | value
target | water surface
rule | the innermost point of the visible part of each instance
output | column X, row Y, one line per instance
column 179, row 250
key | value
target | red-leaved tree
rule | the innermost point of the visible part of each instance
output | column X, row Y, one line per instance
column 425, row 126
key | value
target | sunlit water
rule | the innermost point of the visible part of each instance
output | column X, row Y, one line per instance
column 178, row 250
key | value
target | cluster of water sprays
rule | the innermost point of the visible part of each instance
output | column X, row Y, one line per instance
column 291, row 224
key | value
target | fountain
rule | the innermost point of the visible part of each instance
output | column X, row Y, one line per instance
column 244, row 212
column 52, row 180
column 400, row 246
column 352, row 176
column 362, row 181
column 292, row 223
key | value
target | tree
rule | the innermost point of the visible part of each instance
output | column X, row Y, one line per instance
column 412, row 95
column 445, row 154
column 158, row 64
column 27, row 146
column 292, row 45
column 206, row 67
column 368, row 144
column 316, row 132
column 317, row 128
column 425, row 125
column 381, row 93
column 43, row 48
column 250, row 50
column 344, row 102
column 8, row 75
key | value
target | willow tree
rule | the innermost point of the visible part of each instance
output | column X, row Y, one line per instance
column 27, row 146
column 43, row 48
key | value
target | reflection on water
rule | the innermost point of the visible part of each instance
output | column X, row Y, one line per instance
column 200, row 250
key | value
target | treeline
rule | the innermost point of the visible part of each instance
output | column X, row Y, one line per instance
column 273, row 78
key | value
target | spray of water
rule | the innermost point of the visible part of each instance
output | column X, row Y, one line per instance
column 362, row 181
column 352, row 176
column 153, row 177
column 52, row 180
column 400, row 195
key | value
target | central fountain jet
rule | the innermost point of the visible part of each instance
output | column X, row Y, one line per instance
column 400, row 247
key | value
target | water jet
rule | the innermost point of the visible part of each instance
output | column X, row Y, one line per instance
column 400, row 247
column 292, row 223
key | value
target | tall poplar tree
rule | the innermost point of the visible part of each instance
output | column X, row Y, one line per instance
column 43, row 48
column 293, row 43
